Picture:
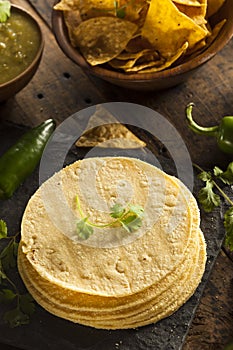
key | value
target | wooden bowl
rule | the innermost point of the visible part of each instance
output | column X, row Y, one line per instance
column 148, row 81
column 17, row 83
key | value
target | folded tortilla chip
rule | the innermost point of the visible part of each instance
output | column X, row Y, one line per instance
column 103, row 130
column 214, row 6
column 195, row 3
column 168, row 29
column 107, row 37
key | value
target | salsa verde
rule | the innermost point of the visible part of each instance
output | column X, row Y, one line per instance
column 19, row 43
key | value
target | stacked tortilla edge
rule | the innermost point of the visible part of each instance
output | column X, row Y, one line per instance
column 149, row 305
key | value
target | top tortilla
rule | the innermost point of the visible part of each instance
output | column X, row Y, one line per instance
column 126, row 265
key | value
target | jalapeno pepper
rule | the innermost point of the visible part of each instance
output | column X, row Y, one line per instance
column 19, row 161
column 223, row 132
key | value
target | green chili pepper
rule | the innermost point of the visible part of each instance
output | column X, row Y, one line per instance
column 223, row 132
column 20, row 160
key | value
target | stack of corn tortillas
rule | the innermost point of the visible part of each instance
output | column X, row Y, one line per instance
column 114, row 279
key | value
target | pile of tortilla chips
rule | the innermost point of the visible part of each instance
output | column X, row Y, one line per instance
column 115, row 279
column 140, row 35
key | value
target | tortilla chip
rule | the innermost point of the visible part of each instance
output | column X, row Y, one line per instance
column 208, row 41
column 215, row 31
column 197, row 14
column 196, row 50
column 98, row 8
column 107, row 37
column 103, row 130
column 145, row 68
column 137, row 44
column 168, row 29
column 67, row 5
column 195, row 3
column 214, row 6
column 130, row 10
column 128, row 60
column 72, row 20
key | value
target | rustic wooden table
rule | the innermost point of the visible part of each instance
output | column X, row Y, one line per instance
column 60, row 88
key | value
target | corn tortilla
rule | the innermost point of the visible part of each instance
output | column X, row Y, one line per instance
column 84, row 302
column 172, row 228
column 153, row 311
column 123, row 286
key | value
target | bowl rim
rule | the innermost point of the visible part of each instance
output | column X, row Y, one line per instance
column 60, row 31
column 20, row 9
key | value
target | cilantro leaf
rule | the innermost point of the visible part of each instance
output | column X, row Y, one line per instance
column 205, row 176
column 3, row 229
column 207, row 198
column 7, row 295
column 5, row 7
column 137, row 210
column 83, row 229
column 16, row 317
column 8, row 255
column 9, row 292
column 120, row 12
column 133, row 218
column 117, row 211
column 225, row 176
column 217, row 171
column 20, row 315
column 131, row 223
column 228, row 224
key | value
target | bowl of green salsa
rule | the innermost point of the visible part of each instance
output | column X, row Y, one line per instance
column 21, row 48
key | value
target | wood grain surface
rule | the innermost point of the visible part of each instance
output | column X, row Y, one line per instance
column 60, row 89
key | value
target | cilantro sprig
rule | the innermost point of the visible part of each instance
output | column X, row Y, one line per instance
column 5, row 10
column 209, row 199
column 22, row 304
column 130, row 218
column 118, row 9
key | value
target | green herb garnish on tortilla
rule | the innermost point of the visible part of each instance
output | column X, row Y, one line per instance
column 130, row 218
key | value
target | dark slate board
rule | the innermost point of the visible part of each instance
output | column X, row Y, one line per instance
column 47, row 332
